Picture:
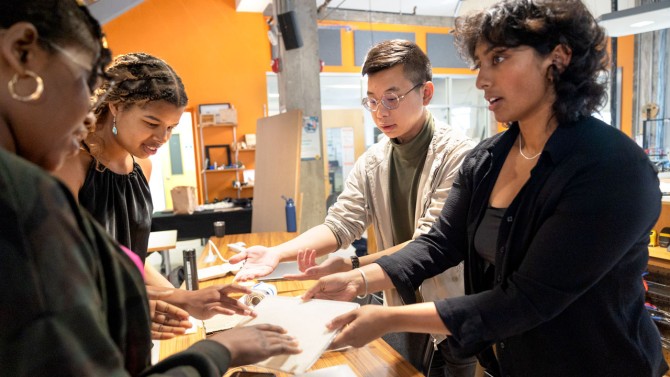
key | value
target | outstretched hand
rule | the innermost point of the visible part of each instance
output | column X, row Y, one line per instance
column 311, row 271
column 360, row 326
column 339, row 287
column 251, row 344
column 207, row 302
column 259, row 261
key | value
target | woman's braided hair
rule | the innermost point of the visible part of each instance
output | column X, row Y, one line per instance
column 140, row 78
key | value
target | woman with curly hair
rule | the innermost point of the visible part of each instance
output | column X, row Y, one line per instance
column 551, row 217
column 110, row 176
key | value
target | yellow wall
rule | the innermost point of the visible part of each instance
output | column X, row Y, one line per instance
column 220, row 54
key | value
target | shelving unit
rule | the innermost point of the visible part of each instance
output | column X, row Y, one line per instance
column 232, row 151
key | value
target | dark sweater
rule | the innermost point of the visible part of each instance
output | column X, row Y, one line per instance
column 568, row 298
column 72, row 302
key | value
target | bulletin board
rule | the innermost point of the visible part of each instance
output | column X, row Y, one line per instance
column 277, row 170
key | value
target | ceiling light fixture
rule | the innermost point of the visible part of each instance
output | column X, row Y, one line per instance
column 641, row 19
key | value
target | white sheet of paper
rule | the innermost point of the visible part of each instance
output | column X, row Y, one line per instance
column 195, row 324
column 221, row 322
column 218, row 270
column 304, row 320
column 281, row 270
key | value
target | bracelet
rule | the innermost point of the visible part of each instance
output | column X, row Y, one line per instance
column 365, row 280
column 355, row 263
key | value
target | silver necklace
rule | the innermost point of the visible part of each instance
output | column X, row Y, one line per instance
column 526, row 157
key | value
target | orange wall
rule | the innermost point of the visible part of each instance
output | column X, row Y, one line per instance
column 220, row 54
column 626, row 60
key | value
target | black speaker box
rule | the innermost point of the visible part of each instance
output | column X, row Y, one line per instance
column 289, row 30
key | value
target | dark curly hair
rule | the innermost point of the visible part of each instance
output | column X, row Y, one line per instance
column 63, row 22
column 543, row 25
column 387, row 54
column 140, row 78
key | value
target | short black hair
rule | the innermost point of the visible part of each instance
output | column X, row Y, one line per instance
column 388, row 54
column 581, row 89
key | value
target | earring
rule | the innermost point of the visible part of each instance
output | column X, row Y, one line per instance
column 115, row 131
column 34, row 96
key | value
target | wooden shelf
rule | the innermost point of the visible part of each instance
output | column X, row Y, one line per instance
column 659, row 257
column 243, row 150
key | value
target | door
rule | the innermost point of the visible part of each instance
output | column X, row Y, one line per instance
column 174, row 164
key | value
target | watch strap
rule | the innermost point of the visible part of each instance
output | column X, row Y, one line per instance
column 355, row 263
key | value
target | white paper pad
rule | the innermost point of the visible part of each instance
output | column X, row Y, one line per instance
column 219, row 270
column 304, row 320
column 221, row 322
column 281, row 270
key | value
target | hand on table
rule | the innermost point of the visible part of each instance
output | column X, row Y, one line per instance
column 312, row 271
column 260, row 261
column 339, row 287
column 251, row 344
column 360, row 326
column 166, row 320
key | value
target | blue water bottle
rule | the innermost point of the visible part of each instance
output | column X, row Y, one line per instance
column 290, row 214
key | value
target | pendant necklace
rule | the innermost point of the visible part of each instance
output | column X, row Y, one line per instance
column 526, row 157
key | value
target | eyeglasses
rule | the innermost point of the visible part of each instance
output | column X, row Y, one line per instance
column 95, row 77
column 390, row 100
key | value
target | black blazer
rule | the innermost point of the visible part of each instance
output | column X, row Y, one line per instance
column 567, row 297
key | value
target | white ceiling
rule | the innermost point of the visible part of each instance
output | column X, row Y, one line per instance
column 448, row 8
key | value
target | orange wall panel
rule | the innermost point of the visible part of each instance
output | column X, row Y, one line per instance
column 626, row 60
column 220, row 54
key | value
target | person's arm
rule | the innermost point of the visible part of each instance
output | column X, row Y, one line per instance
column 235, row 347
column 311, row 271
column 261, row 260
column 154, row 278
column 346, row 221
column 344, row 286
column 363, row 325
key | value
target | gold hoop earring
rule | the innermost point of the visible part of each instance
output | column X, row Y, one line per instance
column 35, row 95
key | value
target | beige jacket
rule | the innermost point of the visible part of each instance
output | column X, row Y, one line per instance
column 365, row 200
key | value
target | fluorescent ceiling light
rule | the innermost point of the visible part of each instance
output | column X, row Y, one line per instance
column 256, row 6
column 641, row 19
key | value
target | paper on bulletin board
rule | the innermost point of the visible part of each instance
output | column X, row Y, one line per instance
column 310, row 148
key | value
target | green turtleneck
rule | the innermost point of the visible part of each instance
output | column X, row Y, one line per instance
column 406, row 165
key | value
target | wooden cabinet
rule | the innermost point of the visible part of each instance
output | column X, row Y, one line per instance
column 222, row 163
column 659, row 274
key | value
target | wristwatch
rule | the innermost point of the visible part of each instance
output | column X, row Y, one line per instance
column 355, row 263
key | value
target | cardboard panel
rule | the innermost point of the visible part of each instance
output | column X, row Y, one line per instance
column 277, row 169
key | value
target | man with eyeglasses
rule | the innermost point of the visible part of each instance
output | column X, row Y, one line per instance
column 398, row 186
